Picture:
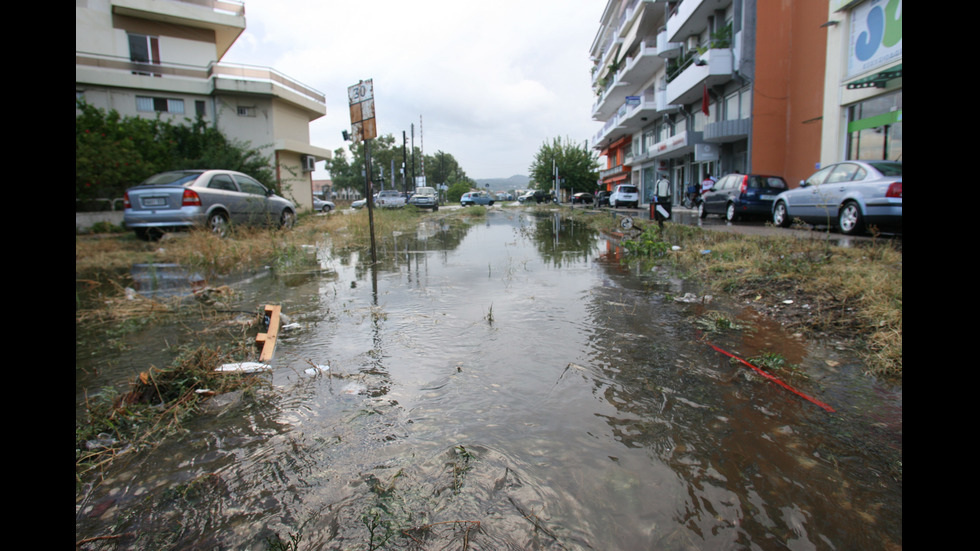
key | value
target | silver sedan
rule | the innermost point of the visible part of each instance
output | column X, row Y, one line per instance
column 183, row 199
column 851, row 195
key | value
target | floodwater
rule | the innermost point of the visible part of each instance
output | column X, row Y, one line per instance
column 509, row 384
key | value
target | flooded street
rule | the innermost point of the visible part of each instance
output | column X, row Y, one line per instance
column 507, row 384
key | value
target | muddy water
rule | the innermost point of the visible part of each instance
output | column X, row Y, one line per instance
column 511, row 385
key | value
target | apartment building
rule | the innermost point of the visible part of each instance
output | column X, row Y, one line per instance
column 153, row 58
column 691, row 88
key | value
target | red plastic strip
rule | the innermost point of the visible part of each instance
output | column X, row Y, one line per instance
column 775, row 380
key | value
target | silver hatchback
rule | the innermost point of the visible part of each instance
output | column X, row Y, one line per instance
column 183, row 199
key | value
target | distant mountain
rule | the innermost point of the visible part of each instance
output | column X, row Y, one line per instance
column 504, row 184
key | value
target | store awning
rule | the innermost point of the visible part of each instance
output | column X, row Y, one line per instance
column 877, row 80
column 614, row 179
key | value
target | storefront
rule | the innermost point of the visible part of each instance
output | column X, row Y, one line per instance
column 865, row 38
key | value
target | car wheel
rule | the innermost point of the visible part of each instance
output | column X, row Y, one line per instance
column 702, row 212
column 326, row 208
column 287, row 219
column 850, row 221
column 218, row 223
column 491, row 203
column 780, row 216
column 730, row 213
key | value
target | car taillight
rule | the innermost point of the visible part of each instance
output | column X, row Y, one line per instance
column 894, row 190
column 126, row 204
column 745, row 184
column 190, row 199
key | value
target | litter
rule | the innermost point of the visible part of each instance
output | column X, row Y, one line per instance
column 244, row 367
column 267, row 341
column 317, row 369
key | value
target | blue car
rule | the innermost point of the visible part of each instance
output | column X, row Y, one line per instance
column 738, row 195
column 476, row 198
column 851, row 195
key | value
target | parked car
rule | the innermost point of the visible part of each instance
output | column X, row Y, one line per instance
column 183, row 199
column 358, row 204
column 537, row 196
column 625, row 195
column 583, row 198
column 323, row 205
column 476, row 198
column 602, row 198
column 425, row 198
column 738, row 195
column 389, row 199
column 850, row 194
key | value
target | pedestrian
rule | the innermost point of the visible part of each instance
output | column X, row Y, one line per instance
column 661, row 198
column 707, row 184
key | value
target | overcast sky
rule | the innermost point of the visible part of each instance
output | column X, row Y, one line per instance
column 487, row 82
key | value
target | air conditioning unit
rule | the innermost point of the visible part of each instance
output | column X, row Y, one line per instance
column 309, row 163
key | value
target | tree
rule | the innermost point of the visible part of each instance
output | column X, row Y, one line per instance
column 442, row 168
column 577, row 165
column 346, row 168
column 113, row 153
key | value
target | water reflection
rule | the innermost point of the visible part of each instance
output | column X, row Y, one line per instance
column 508, row 384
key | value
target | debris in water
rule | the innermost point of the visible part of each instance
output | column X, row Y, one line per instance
column 316, row 369
column 244, row 367
column 291, row 326
column 691, row 297
column 354, row 388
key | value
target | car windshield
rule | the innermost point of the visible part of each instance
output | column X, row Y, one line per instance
column 627, row 189
column 170, row 178
column 887, row 168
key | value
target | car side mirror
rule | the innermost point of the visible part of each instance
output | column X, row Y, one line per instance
column 803, row 183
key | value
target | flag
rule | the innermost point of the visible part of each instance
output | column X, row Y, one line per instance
column 704, row 101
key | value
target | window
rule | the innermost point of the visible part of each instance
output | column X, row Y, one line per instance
column 874, row 129
column 160, row 105
column 222, row 181
column 144, row 49
column 249, row 185
column 200, row 108
column 246, row 111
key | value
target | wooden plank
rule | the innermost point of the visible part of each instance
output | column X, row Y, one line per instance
column 267, row 340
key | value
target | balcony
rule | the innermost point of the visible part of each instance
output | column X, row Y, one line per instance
column 727, row 131
column 226, row 18
column 691, row 17
column 644, row 64
column 665, row 48
column 113, row 71
column 711, row 68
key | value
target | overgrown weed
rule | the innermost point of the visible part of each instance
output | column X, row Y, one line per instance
column 158, row 401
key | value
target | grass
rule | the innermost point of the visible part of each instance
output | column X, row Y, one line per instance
column 811, row 285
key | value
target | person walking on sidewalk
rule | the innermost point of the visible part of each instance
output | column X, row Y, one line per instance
column 661, row 199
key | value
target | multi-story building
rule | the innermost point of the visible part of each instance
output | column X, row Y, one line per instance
column 862, row 116
column 692, row 88
column 162, row 58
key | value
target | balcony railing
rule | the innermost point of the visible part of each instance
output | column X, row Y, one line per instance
column 191, row 72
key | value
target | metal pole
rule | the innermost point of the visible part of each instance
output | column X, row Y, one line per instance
column 370, row 198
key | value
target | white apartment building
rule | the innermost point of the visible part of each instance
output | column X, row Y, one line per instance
column 688, row 88
column 162, row 58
